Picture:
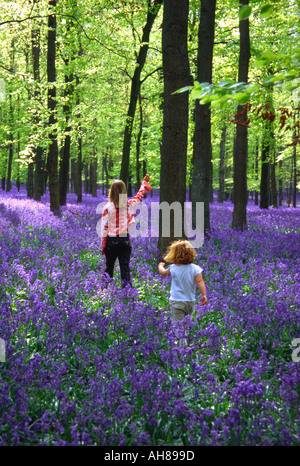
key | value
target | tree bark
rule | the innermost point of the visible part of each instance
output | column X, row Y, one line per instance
column 280, row 189
column 11, row 145
column 138, row 145
column 93, row 176
column 18, row 182
column 202, row 154
column 38, row 151
column 11, row 125
column 295, row 162
column 153, row 10
column 221, row 166
column 51, row 75
column 65, row 161
column 175, row 110
column 273, row 187
column 79, row 168
column 240, row 198
column 86, row 177
column 68, row 95
column 264, row 180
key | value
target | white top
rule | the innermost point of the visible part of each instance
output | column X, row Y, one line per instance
column 183, row 286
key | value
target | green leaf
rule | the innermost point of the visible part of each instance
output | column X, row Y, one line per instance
column 205, row 100
column 291, row 74
column 244, row 12
column 196, row 93
column 269, row 55
column 251, row 88
column 266, row 11
column 274, row 79
column 237, row 85
column 260, row 63
column 226, row 83
column 183, row 89
column 241, row 97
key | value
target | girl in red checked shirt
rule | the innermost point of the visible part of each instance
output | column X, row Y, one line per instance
column 117, row 216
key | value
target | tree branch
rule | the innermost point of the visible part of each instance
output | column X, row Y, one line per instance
column 152, row 72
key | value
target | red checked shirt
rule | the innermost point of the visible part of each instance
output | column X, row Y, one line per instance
column 116, row 221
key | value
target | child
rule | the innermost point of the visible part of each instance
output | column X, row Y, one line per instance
column 117, row 216
column 186, row 277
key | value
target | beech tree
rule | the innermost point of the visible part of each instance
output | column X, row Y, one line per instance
column 153, row 9
column 202, row 155
column 240, row 155
column 51, row 74
column 37, row 148
column 176, row 74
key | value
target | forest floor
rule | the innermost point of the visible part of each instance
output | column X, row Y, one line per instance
column 86, row 363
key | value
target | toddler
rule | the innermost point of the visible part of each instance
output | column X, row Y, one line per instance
column 186, row 277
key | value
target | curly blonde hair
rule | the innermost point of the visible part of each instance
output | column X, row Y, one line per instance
column 118, row 187
column 180, row 252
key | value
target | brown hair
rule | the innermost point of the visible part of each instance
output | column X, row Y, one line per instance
column 180, row 252
column 118, row 187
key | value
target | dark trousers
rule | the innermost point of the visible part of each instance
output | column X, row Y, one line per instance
column 118, row 247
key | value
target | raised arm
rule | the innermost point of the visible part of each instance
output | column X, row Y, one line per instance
column 145, row 187
column 162, row 270
column 201, row 286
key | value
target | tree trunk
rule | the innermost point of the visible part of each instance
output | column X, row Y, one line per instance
column 18, row 182
column 144, row 174
column 93, row 177
column 221, row 166
column 202, row 154
column 256, row 171
column 38, row 151
column 280, row 189
column 175, row 110
column 138, row 145
column 79, row 169
column 29, row 183
column 102, row 177
column 239, row 218
column 73, row 176
column 11, row 128
column 273, row 188
column 65, row 162
column 106, row 172
column 129, row 184
column 295, row 163
column 264, row 180
column 136, row 86
column 51, row 74
column 86, row 177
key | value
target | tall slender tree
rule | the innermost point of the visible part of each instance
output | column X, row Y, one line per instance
column 51, row 75
column 176, row 74
column 37, row 149
column 11, row 123
column 202, row 154
column 268, row 149
column 153, row 9
column 240, row 156
column 221, row 165
column 68, row 59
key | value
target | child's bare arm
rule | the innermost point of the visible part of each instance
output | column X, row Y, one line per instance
column 162, row 270
column 201, row 286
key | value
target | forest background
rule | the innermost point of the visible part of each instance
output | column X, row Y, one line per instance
column 203, row 96
column 84, row 99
